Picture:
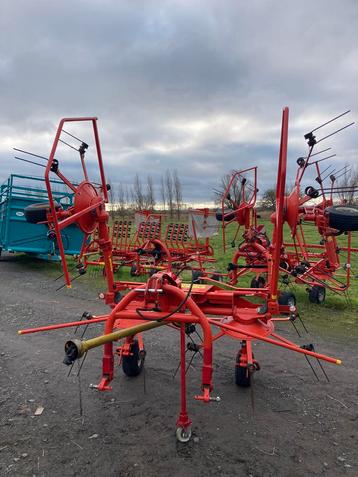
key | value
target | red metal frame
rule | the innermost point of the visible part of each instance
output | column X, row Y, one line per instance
column 165, row 299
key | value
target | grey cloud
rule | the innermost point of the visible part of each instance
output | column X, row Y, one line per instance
column 150, row 70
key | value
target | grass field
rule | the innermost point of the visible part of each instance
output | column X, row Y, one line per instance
column 337, row 316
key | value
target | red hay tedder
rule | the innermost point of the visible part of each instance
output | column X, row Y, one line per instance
column 164, row 300
column 318, row 266
column 149, row 250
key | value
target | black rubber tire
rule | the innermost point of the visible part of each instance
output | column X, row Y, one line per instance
column 117, row 297
column 344, row 218
column 287, row 298
column 284, row 265
column 216, row 276
column 242, row 377
column 133, row 271
column 219, row 215
column 157, row 252
column 195, row 276
column 317, row 295
column 259, row 282
column 132, row 365
column 36, row 213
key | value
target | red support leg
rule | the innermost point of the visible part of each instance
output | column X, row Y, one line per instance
column 107, row 368
column 183, row 423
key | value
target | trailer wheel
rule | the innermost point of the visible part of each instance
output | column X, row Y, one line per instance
column 342, row 218
column 183, row 435
column 317, row 295
column 36, row 213
column 242, row 376
column 132, row 365
column 287, row 298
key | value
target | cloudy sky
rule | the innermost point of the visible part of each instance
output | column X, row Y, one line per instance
column 196, row 85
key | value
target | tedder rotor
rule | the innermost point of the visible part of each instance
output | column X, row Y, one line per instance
column 238, row 206
column 164, row 300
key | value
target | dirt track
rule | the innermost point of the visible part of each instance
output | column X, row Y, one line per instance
column 298, row 428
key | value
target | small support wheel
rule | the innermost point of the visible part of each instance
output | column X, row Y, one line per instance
column 117, row 297
column 183, row 434
column 132, row 364
column 317, row 295
column 258, row 282
column 195, row 276
column 287, row 298
column 133, row 271
column 242, row 375
column 216, row 276
column 152, row 271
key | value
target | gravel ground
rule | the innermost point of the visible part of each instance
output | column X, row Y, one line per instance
column 288, row 424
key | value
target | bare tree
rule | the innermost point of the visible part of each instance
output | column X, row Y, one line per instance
column 234, row 193
column 121, row 198
column 162, row 191
column 111, row 200
column 269, row 199
column 128, row 197
column 177, row 192
column 348, row 181
column 169, row 191
column 137, row 193
column 150, row 197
